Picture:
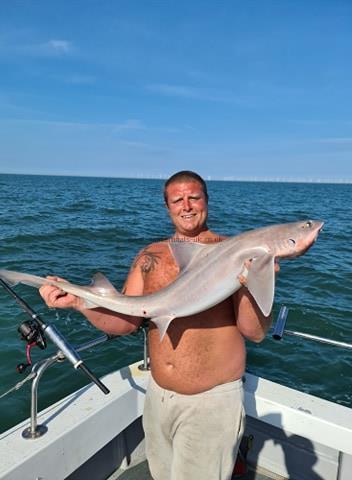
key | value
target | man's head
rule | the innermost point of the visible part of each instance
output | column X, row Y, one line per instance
column 185, row 176
column 186, row 198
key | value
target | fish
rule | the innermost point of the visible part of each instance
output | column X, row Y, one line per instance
column 208, row 274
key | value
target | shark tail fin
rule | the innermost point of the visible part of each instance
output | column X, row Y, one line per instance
column 13, row 278
column 6, row 276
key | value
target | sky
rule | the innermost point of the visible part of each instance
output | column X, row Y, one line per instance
column 231, row 89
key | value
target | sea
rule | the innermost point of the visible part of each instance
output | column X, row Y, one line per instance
column 74, row 227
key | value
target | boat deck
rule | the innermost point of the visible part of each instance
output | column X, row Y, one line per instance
column 141, row 472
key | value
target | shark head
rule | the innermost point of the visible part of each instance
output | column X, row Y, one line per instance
column 294, row 239
column 308, row 234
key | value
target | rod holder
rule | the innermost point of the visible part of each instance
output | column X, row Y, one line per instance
column 280, row 323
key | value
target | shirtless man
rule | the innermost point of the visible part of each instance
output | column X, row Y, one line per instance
column 193, row 418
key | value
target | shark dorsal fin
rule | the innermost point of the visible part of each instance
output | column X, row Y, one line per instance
column 184, row 251
column 102, row 286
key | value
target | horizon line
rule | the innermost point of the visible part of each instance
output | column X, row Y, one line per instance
column 207, row 178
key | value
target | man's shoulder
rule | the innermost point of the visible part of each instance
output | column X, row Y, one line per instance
column 152, row 256
column 155, row 250
column 160, row 245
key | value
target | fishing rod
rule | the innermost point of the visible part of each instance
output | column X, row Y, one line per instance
column 279, row 331
column 34, row 331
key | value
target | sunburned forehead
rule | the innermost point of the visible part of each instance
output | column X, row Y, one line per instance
column 180, row 188
column 184, row 185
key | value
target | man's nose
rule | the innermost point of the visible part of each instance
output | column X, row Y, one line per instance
column 186, row 204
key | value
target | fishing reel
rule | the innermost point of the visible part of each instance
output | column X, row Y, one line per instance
column 32, row 334
column 33, row 331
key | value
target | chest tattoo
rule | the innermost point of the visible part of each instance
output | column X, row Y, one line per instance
column 147, row 260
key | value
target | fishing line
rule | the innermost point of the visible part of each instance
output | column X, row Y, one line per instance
column 19, row 384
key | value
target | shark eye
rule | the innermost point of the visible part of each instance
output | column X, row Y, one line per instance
column 292, row 242
column 308, row 224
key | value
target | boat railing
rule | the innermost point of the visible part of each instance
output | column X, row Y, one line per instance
column 34, row 430
column 279, row 330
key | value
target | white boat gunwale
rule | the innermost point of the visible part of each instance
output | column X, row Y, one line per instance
column 81, row 424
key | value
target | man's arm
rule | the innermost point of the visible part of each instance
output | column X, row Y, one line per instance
column 250, row 320
column 114, row 323
column 109, row 322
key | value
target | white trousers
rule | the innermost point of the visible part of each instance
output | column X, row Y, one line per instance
column 193, row 437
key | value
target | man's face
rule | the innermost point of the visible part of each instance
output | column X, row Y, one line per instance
column 187, row 206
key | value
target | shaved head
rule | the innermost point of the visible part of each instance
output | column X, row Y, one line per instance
column 185, row 176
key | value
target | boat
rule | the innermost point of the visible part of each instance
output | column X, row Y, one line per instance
column 87, row 435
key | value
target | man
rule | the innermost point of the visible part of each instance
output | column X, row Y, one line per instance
column 193, row 418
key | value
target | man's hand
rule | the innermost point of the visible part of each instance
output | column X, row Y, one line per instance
column 54, row 297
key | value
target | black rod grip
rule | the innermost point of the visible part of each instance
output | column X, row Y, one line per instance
column 96, row 380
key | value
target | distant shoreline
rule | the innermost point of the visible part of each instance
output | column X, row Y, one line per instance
column 207, row 178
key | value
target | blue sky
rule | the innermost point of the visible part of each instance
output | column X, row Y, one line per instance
column 231, row 89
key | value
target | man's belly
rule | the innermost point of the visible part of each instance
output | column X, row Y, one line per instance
column 192, row 359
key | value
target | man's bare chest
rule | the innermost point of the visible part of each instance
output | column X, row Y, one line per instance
column 163, row 273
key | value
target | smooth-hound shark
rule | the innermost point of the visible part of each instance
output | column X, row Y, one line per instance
column 209, row 273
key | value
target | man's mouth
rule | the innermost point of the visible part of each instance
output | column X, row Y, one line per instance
column 188, row 216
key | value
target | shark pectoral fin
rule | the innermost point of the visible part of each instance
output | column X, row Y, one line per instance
column 261, row 282
column 162, row 323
